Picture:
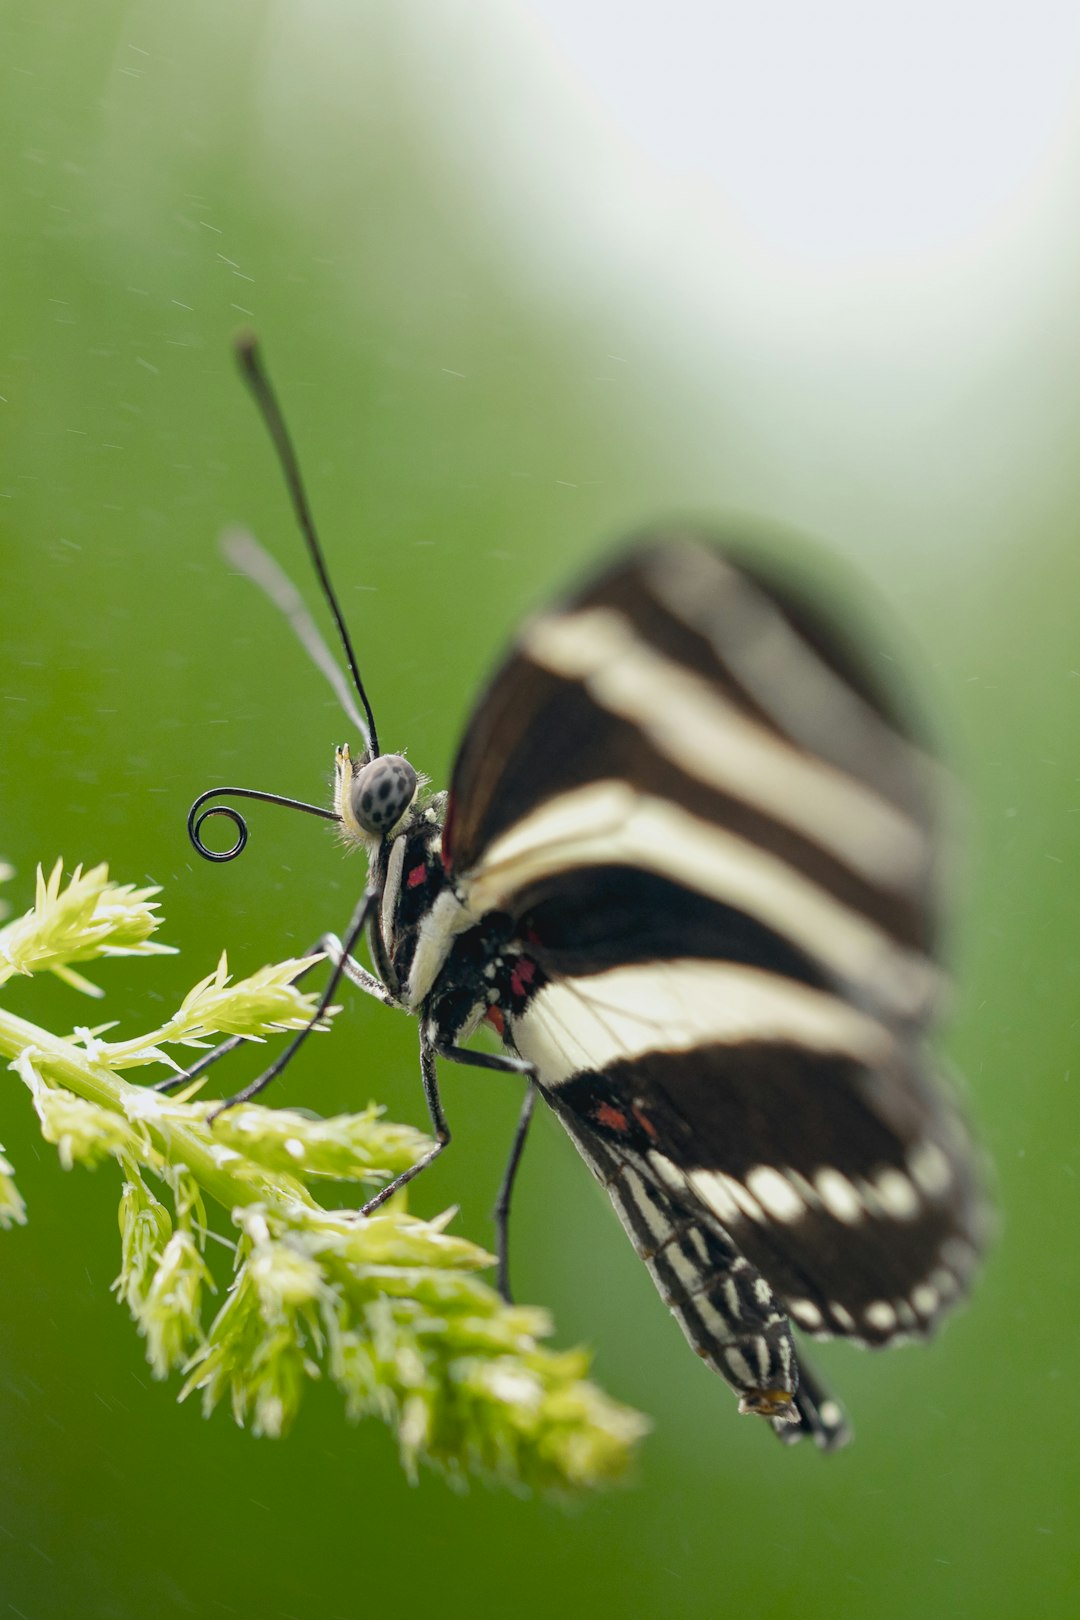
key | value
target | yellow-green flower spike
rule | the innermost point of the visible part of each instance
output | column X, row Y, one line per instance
column 392, row 1309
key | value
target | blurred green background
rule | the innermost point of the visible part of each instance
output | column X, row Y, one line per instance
column 523, row 288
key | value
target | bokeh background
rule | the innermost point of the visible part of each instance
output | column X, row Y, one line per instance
column 529, row 275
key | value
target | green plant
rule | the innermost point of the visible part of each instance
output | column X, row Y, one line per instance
column 391, row 1308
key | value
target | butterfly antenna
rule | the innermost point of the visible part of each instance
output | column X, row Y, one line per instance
column 257, row 378
column 246, row 555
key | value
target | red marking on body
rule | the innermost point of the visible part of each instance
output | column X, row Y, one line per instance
column 417, row 875
column 497, row 1019
column 523, row 974
column 645, row 1122
column 613, row 1118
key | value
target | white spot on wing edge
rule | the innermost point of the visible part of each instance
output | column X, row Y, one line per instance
column 959, row 1255
column 831, row 1414
column 775, row 1193
column 806, row 1314
column 930, row 1168
column 839, row 1197
column 943, row 1280
column 896, row 1194
column 727, row 1198
column 880, row 1315
column 925, row 1299
column 905, row 1314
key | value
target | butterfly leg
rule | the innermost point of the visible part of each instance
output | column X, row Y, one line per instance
column 428, row 1054
column 356, row 928
column 503, row 1063
column 331, row 946
column 502, row 1203
column 328, row 945
column 430, row 1081
column 173, row 1082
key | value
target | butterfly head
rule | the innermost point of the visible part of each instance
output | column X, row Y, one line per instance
column 371, row 796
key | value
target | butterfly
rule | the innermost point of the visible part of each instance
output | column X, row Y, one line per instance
column 687, row 870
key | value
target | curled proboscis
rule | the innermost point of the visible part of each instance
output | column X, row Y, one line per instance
column 196, row 819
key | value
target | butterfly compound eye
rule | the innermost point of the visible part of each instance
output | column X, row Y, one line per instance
column 382, row 792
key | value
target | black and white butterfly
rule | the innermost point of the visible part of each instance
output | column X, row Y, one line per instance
column 686, row 869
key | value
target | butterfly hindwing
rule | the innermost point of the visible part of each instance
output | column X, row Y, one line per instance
column 847, row 1182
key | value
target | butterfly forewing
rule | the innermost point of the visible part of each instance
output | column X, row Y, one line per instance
column 715, row 840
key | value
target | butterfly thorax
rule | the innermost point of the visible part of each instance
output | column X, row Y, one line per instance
column 457, row 969
column 488, row 976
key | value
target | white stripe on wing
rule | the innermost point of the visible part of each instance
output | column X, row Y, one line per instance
column 777, row 667
column 607, row 822
column 688, row 721
column 573, row 1026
